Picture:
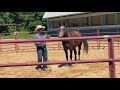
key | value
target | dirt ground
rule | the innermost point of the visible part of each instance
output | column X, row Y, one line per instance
column 96, row 70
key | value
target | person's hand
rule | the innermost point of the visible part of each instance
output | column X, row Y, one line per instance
column 48, row 36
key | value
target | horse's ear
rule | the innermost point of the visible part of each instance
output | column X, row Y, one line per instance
column 58, row 31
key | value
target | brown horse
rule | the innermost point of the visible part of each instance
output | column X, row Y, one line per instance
column 71, row 45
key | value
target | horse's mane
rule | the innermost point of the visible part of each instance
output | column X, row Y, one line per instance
column 66, row 32
column 69, row 31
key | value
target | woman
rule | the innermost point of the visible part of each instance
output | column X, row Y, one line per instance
column 41, row 47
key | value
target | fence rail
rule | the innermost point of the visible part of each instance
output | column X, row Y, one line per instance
column 93, row 31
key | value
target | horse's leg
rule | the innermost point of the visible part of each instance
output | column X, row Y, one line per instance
column 75, row 53
column 70, row 57
column 79, row 48
column 66, row 53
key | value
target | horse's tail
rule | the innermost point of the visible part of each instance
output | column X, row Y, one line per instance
column 85, row 45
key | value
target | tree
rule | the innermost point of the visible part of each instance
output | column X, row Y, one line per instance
column 25, row 21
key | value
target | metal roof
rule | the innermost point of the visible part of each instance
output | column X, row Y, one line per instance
column 57, row 14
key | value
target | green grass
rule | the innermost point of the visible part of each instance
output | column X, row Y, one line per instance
column 22, row 35
column 10, row 36
column 26, row 36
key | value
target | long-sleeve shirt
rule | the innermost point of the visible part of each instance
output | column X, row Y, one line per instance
column 42, row 36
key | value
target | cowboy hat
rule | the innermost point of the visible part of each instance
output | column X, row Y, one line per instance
column 39, row 27
column 43, row 27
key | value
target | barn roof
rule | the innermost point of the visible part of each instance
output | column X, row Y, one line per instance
column 57, row 14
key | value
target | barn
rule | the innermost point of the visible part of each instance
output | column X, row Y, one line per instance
column 105, row 21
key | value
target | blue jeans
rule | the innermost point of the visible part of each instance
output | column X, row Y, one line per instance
column 42, row 51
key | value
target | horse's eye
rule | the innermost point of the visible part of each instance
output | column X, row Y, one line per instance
column 58, row 31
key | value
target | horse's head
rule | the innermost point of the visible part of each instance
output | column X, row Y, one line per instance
column 61, row 32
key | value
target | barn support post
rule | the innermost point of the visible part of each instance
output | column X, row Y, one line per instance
column 111, row 56
column 116, row 23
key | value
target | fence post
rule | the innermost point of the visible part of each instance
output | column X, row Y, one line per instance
column 16, row 44
column 0, row 44
column 111, row 56
column 98, row 40
column 58, row 45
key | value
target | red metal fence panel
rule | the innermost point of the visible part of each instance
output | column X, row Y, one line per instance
column 110, row 59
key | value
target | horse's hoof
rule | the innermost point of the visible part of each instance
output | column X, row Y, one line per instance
column 61, row 65
column 70, row 65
